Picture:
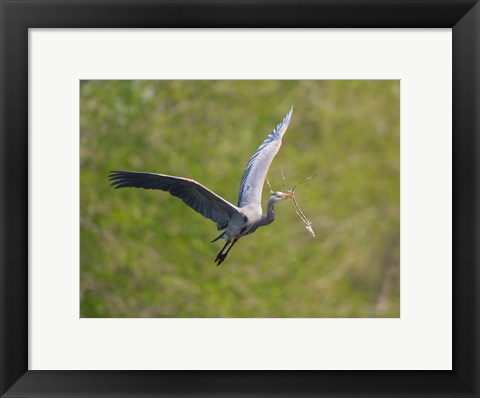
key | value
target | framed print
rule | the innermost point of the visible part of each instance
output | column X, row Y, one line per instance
column 108, row 292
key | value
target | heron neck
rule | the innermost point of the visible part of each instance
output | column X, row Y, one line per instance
column 270, row 212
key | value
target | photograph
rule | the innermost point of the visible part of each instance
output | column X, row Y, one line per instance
column 239, row 198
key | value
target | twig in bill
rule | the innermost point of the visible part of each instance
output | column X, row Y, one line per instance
column 294, row 202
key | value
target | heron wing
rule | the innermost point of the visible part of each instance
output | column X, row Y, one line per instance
column 257, row 167
column 194, row 194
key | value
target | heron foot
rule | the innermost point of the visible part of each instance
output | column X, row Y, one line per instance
column 220, row 258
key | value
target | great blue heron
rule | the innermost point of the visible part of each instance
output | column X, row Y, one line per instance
column 235, row 221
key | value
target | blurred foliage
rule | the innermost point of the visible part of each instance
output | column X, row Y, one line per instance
column 146, row 254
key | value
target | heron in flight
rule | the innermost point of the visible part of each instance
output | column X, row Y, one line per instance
column 234, row 221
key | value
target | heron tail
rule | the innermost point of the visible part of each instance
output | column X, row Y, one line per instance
column 218, row 237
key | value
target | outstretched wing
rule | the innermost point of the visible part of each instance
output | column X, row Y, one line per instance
column 257, row 167
column 194, row 194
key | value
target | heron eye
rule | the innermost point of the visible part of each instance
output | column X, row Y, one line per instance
column 245, row 218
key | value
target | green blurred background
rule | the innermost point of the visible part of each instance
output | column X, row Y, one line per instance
column 146, row 254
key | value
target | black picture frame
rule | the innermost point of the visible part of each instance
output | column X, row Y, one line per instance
column 17, row 16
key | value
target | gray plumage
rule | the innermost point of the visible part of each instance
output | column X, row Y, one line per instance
column 235, row 221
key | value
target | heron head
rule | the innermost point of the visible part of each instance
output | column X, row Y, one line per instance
column 281, row 196
column 277, row 196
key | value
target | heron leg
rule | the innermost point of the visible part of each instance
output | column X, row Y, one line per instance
column 221, row 256
column 220, row 253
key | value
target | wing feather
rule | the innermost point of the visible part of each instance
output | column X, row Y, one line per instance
column 254, row 175
column 194, row 194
